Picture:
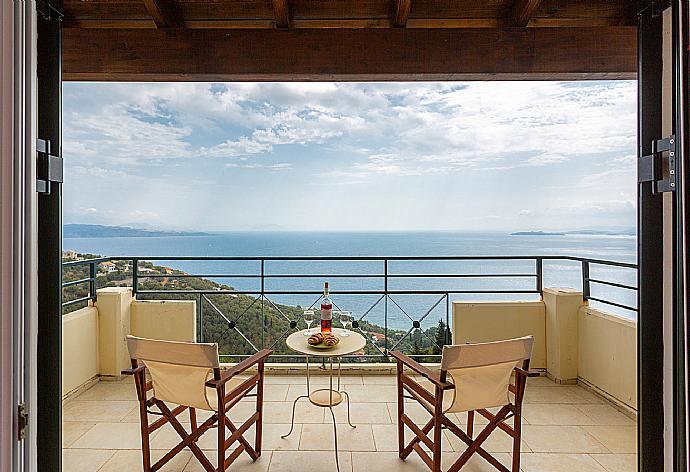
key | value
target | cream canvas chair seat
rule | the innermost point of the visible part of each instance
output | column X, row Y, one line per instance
column 473, row 378
column 189, row 376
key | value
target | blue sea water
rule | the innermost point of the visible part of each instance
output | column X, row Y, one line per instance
column 402, row 309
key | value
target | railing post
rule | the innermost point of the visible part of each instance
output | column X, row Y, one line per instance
column 200, row 309
column 585, row 279
column 447, row 334
column 540, row 275
column 385, row 306
column 92, row 281
column 135, row 275
column 263, row 311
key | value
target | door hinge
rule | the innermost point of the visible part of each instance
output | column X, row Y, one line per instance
column 49, row 168
column 660, row 167
column 22, row 421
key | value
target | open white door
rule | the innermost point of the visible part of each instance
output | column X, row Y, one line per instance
column 18, row 282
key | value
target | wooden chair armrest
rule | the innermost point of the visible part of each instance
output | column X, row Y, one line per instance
column 239, row 368
column 425, row 372
column 133, row 370
column 527, row 373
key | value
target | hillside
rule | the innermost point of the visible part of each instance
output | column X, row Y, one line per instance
column 104, row 231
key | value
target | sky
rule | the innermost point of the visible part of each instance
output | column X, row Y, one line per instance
column 485, row 156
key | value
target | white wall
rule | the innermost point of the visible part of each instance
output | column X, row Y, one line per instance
column 493, row 321
column 594, row 348
column 79, row 348
column 608, row 355
column 172, row 320
column 88, row 351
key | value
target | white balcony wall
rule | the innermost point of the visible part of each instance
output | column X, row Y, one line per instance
column 93, row 339
column 494, row 321
column 172, row 320
column 574, row 343
column 80, row 356
column 608, row 355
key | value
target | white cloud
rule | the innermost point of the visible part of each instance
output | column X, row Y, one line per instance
column 174, row 145
column 279, row 166
column 243, row 147
column 439, row 126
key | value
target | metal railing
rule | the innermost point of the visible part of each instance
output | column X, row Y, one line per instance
column 91, row 280
column 386, row 295
column 587, row 282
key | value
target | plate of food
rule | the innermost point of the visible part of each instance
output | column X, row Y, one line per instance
column 323, row 340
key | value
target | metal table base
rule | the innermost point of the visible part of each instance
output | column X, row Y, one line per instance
column 317, row 398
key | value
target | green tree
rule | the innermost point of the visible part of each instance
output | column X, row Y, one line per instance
column 442, row 335
column 415, row 350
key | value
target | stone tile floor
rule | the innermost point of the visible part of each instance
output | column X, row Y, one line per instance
column 565, row 428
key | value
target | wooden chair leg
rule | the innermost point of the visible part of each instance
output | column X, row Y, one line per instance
column 145, row 437
column 221, row 429
column 438, row 421
column 401, row 411
column 470, row 423
column 140, row 381
column 192, row 418
column 259, row 409
column 517, row 440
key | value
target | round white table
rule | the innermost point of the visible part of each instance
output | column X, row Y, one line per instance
column 326, row 397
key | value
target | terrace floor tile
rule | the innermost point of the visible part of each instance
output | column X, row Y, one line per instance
column 561, row 439
column 97, row 411
column 540, row 462
column 618, row 439
column 319, row 437
column 309, row 461
column 617, row 462
column 85, row 460
column 130, row 461
column 111, row 436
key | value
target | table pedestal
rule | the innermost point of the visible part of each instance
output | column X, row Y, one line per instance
column 325, row 398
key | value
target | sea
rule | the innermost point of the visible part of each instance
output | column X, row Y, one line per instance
column 397, row 311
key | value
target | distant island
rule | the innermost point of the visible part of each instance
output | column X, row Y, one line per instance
column 602, row 232
column 536, row 233
column 104, row 231
column 616, row 231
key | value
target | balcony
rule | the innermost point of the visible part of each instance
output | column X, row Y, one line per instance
column 580, row 415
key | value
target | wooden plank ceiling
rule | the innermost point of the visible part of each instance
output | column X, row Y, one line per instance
column 111, row 39
column 346, row 13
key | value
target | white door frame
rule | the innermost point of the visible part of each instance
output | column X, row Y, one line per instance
column 18, row 209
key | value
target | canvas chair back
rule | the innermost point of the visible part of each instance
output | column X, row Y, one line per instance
column 481, row 372
column 179, row 370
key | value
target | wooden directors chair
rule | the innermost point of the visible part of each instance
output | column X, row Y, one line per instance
column 188, row 375
column 473, row 378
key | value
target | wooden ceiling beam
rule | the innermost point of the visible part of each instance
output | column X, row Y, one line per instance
column 401, row 12
column 267, row 23
column 281, row 10
column 523, row 11
column 347, row 54
column 162, row 13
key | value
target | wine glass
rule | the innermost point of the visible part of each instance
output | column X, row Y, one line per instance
column 346, row 321
column 335, row 317
column 308, row 320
